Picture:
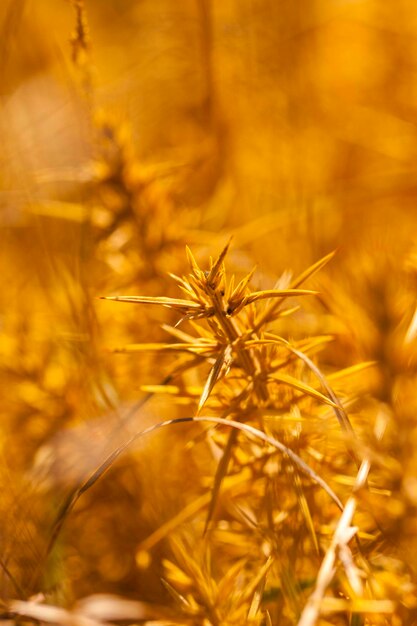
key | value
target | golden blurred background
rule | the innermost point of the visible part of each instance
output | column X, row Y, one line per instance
column 130, row 128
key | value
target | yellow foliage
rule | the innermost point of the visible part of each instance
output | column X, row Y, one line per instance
column 233, row 444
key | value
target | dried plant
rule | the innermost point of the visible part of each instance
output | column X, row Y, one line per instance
column 239, row 451
column 255, row 376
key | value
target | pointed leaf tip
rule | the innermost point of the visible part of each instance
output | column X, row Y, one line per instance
column 192, row 262
column 212, row 378
column 214, row 271
column 313, row 269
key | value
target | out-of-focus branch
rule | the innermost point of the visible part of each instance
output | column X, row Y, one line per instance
column 339, row 547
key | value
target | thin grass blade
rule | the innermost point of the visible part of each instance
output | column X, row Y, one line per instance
column 251, row 431
column 212, row 379
column 173, row 303
column 286, row 379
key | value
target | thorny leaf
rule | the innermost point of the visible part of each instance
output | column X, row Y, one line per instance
column 222, row 361
column 203, row 347
column 277, row 293
column 270, row 312
column 172, row 303
column 313, row 269
column 215, row 274
column 236, row 294
column 286, row 379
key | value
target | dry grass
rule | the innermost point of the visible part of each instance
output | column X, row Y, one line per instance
column 237, row 444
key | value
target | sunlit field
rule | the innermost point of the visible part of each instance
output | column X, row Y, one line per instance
column 208, row 312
